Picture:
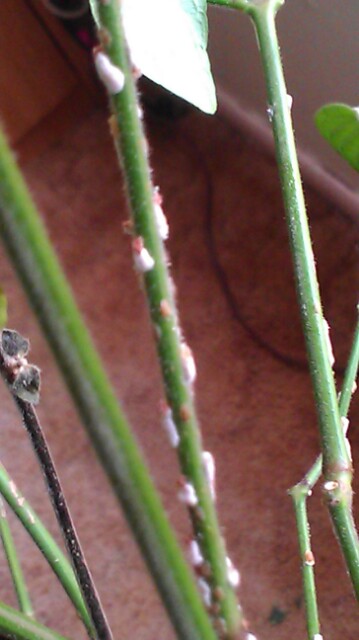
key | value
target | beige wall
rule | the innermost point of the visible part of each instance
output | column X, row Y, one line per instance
column 320, row 49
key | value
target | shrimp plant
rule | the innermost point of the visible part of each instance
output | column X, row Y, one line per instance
column 166, row 41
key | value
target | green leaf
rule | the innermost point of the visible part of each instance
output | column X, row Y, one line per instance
column 3, row 309
column 167, row 41
column 339, row 125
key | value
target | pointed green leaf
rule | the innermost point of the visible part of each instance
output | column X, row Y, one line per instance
column 339, row 125
column 168, row 40
column 3, row 309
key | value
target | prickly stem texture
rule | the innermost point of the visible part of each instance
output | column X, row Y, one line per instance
column 175, row 361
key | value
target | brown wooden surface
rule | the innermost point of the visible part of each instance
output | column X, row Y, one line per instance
column 34, row 75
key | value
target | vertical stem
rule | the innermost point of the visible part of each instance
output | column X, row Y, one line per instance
column 336, row 462
column 299, row 496
column 14, row 564
column 131, row 146
column 49, row 294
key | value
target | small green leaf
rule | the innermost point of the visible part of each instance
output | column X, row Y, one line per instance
column 168, row 40
column 3, row 309
column 339, row 125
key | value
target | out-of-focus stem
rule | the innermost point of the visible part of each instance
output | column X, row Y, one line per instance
column 14, row 564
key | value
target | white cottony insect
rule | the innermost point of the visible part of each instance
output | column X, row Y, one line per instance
column 354, row 387
column 330, row 485
column 161, row 222
column 345, row 424
column 205, row 591
column 251, row 636
column 317, row 636
column 348, row 448
column 143, row 260
column 112, row 76
column 188, row 364
column 187, row 495
column 170, row 427
column 270, row 113
column 289, row 101
column 329, row 344
column 233, row 575
column 210, row 472
column 194, row 554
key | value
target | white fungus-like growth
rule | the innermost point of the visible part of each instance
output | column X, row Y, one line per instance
column 143, row 260
column 233, row 575
column 111, row 76
column 270, row 113
column 187, row 495
column 170, row 427
column 349, row 449
column 210, row 472
column 345, row 424
column 194, row 554
column 329, row 343
column 188, row 364
column 161, row 221
column 205, row 591
column 330, row 485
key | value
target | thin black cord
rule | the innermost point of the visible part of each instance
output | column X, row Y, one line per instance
column 64, row 519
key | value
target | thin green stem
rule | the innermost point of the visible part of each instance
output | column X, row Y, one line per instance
column 173, row 354
column 301, row 491
column 299, row 496
column 49, row 294
column 16, row 626
column 45, row 542
column 13, row 561
column 336, row 461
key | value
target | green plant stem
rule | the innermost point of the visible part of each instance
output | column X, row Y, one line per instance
column 336, row 462
column 16, row 626
column 14, row 564
column 131, row 146
column 301, row 491
column 44, row 541
column 49, row 294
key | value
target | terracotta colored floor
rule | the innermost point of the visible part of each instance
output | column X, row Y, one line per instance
column 256, row 411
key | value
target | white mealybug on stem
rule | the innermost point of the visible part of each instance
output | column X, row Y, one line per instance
column 161, row 220
column 188, row 364
column 143, row 260
column 251, row 636
column 170, row 427
column 345, row 424
column 111, row 76
column 205, row 591
column 317, row 636
column 349, row 449
column 330, row 485
column 233, row 575
column 354, row 387
column 194, row 554
column 187, row 494
column 209, row 467
column 289, row 101
column 329, row 344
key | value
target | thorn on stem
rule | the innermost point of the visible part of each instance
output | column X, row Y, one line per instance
column 309, row 558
